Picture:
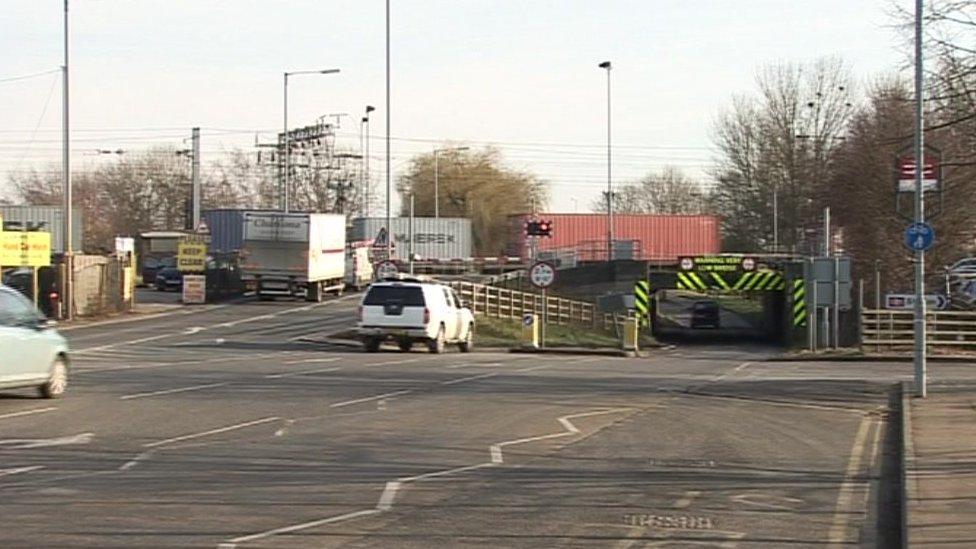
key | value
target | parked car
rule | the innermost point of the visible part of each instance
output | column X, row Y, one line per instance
column 34, row 353
column 705, row 313
column 22, row 280
column 168, row 278
column 412, row 310
column 152, row 265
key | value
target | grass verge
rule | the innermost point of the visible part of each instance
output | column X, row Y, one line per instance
column 503, row 332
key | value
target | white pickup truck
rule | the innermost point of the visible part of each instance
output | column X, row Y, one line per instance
column 411, row 310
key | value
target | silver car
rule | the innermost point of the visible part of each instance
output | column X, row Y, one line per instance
column 32, row 352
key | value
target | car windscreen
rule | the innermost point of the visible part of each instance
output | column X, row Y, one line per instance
column 409, row 296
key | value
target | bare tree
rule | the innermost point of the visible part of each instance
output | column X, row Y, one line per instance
column 473, row 184
column 776, row 146
column 666, row 192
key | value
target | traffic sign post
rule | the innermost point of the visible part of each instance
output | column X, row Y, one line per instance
column 542, row 274
column 919, row 237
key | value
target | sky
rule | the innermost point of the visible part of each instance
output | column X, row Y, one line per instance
column 520, row 75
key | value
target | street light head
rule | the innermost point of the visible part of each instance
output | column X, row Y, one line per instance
column 329, row 71
column 369, row 109
column 365, row 119
column 605, row 65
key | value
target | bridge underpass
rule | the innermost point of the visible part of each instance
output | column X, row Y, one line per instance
column 764, row 304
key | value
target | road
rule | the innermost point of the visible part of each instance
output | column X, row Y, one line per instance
column 223, row 426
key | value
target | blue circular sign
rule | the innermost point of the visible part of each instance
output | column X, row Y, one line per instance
column 919, row 236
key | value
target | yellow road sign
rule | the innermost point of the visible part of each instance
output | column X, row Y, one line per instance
column 25, row 249
column 191, row 255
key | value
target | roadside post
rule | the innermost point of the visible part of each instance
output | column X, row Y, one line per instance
column 542, row 274
column 530, row 331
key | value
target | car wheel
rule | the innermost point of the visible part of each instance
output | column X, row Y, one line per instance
column 405, row 345
column 468, row 344
column 371, row 344
column 436, row 345
column 58, row 381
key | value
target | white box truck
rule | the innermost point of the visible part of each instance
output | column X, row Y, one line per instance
column 294, row 253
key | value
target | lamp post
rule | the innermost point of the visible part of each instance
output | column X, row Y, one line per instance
column 437, row 201
column 366, row 180
column 286, row 180
column 389, row 185
column 606, row 65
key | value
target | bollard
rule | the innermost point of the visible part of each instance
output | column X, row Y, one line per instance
column 530, row 331
column 631, row 333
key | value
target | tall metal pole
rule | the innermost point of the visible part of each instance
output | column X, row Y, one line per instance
column 369, row 182
column 920, row 359
column 362, row 169
column 195, row 179
column 775, row 219
column 437, row 201
column 606, row 65
column 68, row 298
column 410, row 233
column 286, row 180
column 389, row 186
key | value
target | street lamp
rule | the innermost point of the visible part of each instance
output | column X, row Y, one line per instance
column 366, row 180
column 287, row 179
column 437, row 202
column 606, row 65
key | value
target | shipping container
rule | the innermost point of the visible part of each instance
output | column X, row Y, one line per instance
column 44, row 219
column 226, row 230
column 433, row 238
column 636, row 236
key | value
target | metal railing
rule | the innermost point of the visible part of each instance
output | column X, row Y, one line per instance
column 495, row 302
column 886, row 329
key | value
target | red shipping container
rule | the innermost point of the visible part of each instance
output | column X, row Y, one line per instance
column 637, row 236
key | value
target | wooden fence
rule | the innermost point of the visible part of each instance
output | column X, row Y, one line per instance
column 495, row 302
column 894, row 330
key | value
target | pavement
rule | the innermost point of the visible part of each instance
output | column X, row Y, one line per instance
column 224, row 427
column 941, row 467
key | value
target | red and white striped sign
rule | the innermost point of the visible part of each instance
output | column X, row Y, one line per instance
column 907, row 174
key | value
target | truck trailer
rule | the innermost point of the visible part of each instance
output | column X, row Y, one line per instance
column 294, row 254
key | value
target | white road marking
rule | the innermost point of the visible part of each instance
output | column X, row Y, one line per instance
column 26, row 443
column 18, row 470
column 473, row 365
column 686, row 500
column 303, row 372
column 843, row 509
column 134, row 461
column 309, row 360
column 193, row 330
column 466, row 379
column 244, row 321
column 232, row 544
column 733, row 371
column 390, row 489
column 368, row 399
column 172, row 391
column 122, row 343
column 394, row 362
column 767, row 501
column 532, row 368
column 28, row 412
column 210, row 432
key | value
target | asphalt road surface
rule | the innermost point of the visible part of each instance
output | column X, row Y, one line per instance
column 223, row 426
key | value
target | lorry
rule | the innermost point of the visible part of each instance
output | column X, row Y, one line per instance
column 294, row 254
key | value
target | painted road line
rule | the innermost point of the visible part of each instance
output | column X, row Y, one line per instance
column 28, row 412
column 843, row 510
column 310, row 360
column 686, row 500
column 180, row 310
column 368, row 399
column 532, row 368
column 232, row 544
column 18, row 470
column 394, row 362
column 303, row 372
column 172, row 391
column 122, row 343
column 210, row 432
column 390, row 489
column 474, row 365
column 466, row 379
column 570, row 429
column 27, row 443
column 735, row 370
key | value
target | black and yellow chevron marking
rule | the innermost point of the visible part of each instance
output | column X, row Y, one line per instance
column 691, row 281
column 799, row 303
column 642, row 300
column 760, row 280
